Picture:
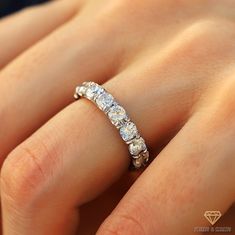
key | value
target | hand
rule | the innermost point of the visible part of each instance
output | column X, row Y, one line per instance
column 169, row 63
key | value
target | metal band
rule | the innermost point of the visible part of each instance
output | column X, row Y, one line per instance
column 119, row 118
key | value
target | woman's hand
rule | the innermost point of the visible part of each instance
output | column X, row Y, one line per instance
column 170, row 63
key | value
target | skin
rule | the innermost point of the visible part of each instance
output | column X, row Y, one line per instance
column 170, row 64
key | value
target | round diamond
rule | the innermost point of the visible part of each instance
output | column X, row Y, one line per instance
column 93, row 90
column 128, row 131
column 117, row 114
column 137, row 146
column 104, row 101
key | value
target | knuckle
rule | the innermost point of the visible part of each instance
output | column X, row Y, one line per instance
column 218, row 110
column 123, row 225
column 204, row 38
column 24, row 174
column 128, row 221
column 214, row 34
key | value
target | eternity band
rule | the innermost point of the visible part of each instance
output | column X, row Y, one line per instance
column 119, row 118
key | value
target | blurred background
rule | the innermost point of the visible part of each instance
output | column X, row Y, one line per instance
column 10, row 6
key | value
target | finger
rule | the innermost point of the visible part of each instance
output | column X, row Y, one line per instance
column 86, row 153
column 192, row 175
column 22, row 30
column 50, row 67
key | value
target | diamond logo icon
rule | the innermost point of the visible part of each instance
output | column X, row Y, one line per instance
column 212, row 216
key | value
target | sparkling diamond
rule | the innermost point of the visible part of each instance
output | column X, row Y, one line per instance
column 137, row 146
column 117, row 114
column 128, row 131
column 104, row 101
column 93, row 90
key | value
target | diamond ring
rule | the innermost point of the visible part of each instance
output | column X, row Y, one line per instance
column 119, row 118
